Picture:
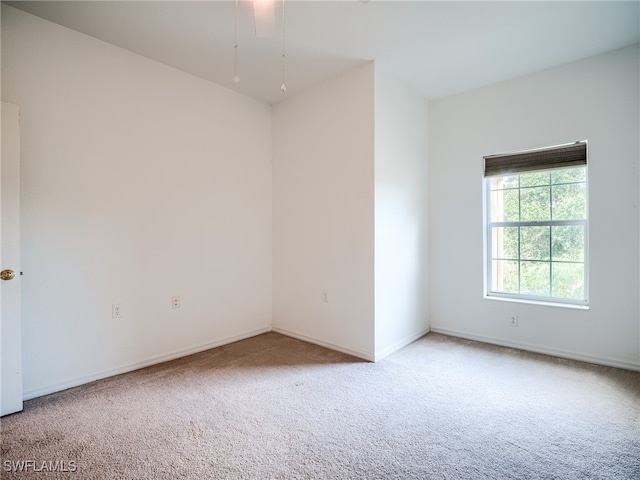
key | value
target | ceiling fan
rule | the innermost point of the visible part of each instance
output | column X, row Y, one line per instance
column 265, row 25
column 265, row 17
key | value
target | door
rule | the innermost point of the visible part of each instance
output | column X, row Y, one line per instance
column 10, row 321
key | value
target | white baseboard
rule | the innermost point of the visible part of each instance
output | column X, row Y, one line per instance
column 45, row 389
column 332, row 346
column 385, row 352
column 39, row 390
column 607, row 362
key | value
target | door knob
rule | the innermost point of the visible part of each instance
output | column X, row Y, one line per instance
column 7, row 274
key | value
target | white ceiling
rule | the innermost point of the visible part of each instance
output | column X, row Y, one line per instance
column 439, row 48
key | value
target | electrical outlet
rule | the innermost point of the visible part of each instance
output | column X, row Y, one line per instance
column 325, row 296
column 513, row 320
column 175, row 301
column 116, row 310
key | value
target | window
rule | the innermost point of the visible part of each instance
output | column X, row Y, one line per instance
column 536, row 225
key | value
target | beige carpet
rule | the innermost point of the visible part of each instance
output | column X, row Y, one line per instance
column 273, row 407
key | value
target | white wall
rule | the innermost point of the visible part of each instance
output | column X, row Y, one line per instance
column 594, row 99
column 323, row 218
column 139, row 182
column 401, row 214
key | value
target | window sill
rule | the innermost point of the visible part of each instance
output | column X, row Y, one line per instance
column 536, row 302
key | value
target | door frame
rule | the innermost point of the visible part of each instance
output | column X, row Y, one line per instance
column 11, row 388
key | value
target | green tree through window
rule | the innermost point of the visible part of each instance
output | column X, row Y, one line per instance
column 537, row 233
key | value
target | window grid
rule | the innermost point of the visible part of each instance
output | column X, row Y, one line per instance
column 550, row 239
column 541, row 223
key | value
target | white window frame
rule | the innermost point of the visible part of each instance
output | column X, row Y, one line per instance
column 487, row 255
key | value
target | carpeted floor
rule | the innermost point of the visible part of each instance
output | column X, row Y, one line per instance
column 273, row 407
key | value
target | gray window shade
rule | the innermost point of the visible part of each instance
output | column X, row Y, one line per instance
column 562, row 156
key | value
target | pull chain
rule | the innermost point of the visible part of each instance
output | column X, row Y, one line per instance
column 236, row 77
column 284, row 85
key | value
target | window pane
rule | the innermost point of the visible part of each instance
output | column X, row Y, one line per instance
column 568, row 243
column 504, row 276
column 535, row 204
column 535, row 278
column 534, row 179
column 569, row 175
column 569, row 201
column 531, row 258
column 505, row 243
column 568, row 280
column 535, row 243
column 505, row 206
column 509, row 181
